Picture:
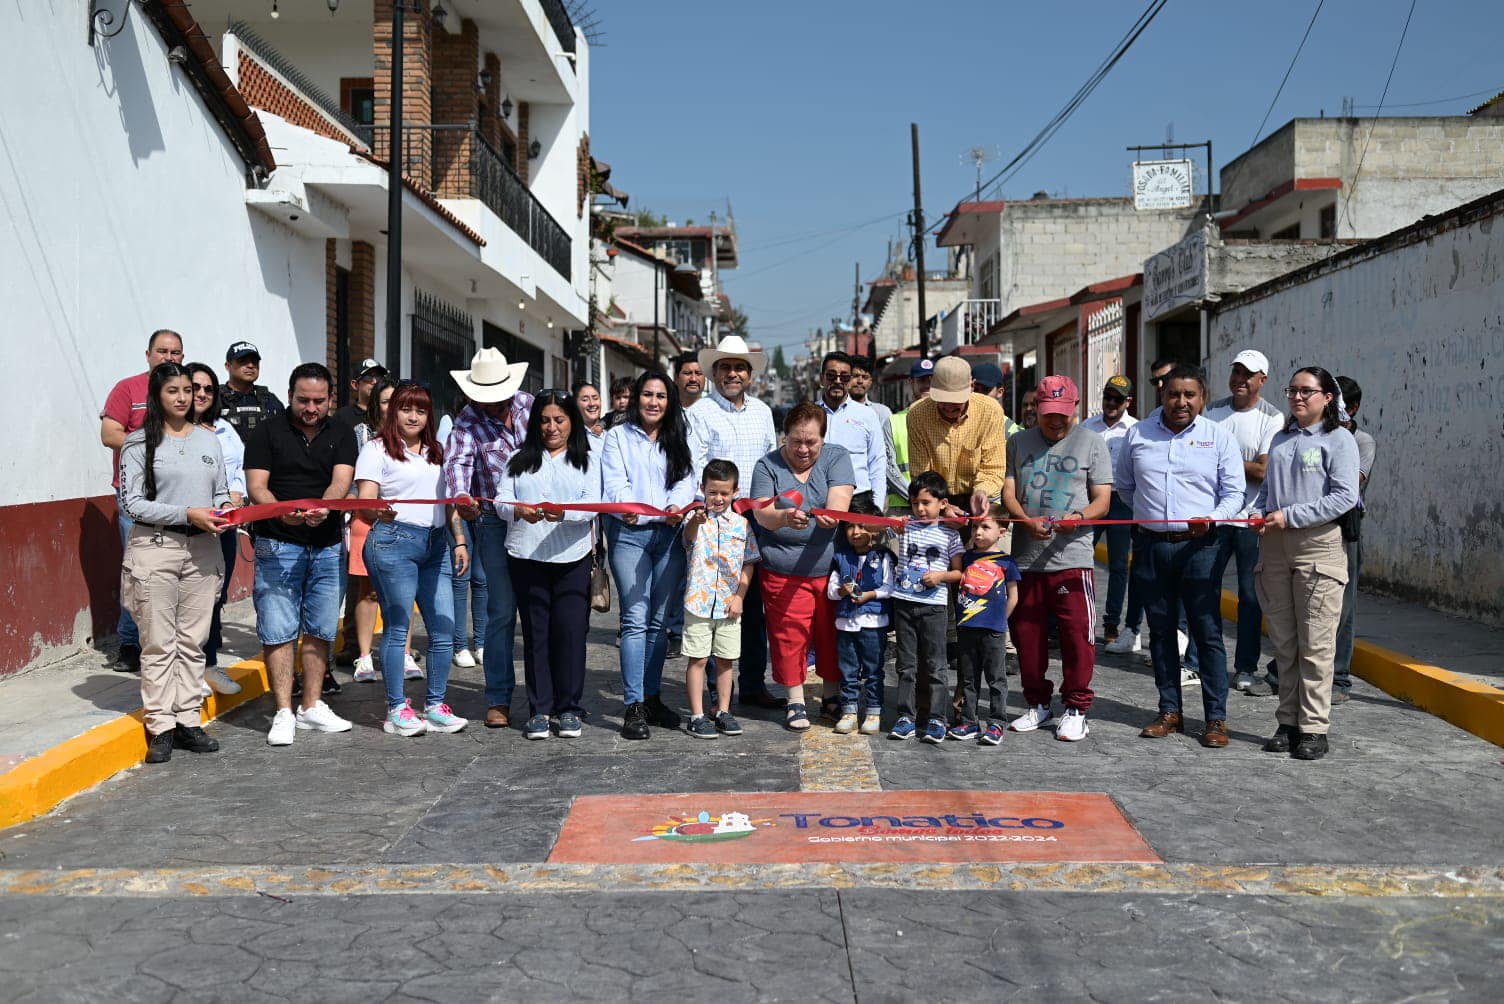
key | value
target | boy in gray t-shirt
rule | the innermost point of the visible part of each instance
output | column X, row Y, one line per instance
column 1057, row 471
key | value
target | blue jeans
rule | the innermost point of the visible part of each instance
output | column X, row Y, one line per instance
column 1171, row 575
column 125, row 627
column 468, row 587
column 860, row 656
column 1342, row 666
column 501, row 610
column 297, row 591
column 410, row 564
column 1242, row 543
column 1119, row 545
column 229, row 544
column 647, row 562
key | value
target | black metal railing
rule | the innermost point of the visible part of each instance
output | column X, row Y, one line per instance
column 288, row 71
column 443, row 340
column 493, row 181
column 558, row 16
column 428, row 151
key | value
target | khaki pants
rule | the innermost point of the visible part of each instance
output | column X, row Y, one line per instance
column 169, row 582
column 1299, row 579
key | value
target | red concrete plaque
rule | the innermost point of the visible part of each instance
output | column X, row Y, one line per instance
column 873, row 826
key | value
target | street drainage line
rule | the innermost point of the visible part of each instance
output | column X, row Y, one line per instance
column 286, row 884
column 829, row 761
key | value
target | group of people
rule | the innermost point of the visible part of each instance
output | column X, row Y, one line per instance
column 797, row 549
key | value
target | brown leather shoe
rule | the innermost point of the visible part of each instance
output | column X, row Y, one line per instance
column 498, row 717
column 1215, row 736
column 1166, row 723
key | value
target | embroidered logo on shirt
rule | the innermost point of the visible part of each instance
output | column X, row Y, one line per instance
column 1310, row 460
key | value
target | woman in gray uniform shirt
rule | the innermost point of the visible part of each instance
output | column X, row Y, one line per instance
column 1311, row 480
column 172, row 478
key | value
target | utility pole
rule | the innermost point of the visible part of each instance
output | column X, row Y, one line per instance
column 394, row 203
column 856, row 303
column 924, row 347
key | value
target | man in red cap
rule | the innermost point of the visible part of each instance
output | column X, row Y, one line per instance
column 1058, row 474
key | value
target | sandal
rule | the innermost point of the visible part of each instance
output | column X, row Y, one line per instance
column 797, row 719
column 830, row 708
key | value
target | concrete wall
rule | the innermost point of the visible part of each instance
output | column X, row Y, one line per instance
column 1418, row 320
column 898, row 327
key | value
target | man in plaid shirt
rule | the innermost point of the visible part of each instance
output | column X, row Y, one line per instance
column 729, row 424
column 486, row 434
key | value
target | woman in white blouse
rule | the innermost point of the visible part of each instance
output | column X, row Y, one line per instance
column 206, row 413
column 548, row 558
column 407, row 554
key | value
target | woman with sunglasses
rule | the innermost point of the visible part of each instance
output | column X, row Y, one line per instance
column 206, row 406
column 646, row 458
column 1311, row 480
column 172, row 481
column 408, row 554
column 548, row 556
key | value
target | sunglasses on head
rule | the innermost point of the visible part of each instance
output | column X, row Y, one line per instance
column 555, row 392
column 414, row 383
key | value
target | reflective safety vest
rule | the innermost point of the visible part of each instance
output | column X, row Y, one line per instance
column 900, row 425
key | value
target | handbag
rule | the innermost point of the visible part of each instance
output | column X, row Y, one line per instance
column 600, row 588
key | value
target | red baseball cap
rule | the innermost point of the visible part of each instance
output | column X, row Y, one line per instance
column 1057, row 396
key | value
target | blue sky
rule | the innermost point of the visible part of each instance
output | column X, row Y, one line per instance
column 799, row 113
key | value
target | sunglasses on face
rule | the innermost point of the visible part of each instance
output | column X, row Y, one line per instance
column 831, row 377
column 1113, row 399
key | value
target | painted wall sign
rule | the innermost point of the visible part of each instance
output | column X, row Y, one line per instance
column 1176, row 276
column 797, row 827
column 1162, row 184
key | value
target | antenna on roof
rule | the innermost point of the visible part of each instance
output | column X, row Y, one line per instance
column 979, row 155
column 588, row 21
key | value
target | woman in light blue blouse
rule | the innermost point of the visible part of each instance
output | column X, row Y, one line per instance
column 548, row 555
column 1311, row 481
column 646, row 458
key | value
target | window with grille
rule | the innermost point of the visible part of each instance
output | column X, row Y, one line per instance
column 517, row 351
column 443, row 340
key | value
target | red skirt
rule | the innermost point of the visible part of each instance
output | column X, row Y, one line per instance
column 799, row 617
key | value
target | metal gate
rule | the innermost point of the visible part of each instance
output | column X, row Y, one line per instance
column 443, row 340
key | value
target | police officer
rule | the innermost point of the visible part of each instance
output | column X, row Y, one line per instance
column 243, row 402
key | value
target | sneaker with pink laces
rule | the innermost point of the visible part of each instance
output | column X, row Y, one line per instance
column 439, row 718
column 404, row 721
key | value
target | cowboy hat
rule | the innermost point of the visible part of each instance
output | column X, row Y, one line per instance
column 733, row 347
column 490, row 378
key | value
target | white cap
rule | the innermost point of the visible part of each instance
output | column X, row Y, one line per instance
column 1252, row 360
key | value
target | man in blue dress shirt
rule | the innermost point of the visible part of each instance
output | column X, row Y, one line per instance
column 1178, row 467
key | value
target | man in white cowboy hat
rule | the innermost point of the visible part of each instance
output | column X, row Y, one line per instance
column 729, row 424
column 486, row 433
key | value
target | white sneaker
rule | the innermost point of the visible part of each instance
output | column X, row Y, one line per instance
column 284, row 729
column 1189, row 677
column 1072, row 727
column 1126, row 641
column 320, row 719
column 220, row 681
column 410, row 669
column 204, row 690
column 872, row 723
column 480, row 655
column 1182, row 641
column 463, row 659
column 1031, row 719
column 365, row 669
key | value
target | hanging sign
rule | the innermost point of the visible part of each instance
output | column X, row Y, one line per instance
column 1162, row 184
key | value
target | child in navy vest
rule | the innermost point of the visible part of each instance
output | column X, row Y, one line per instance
column 988, row 594
column 861, row 580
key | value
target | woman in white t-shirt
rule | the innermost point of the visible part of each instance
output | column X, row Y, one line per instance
column 407, row 554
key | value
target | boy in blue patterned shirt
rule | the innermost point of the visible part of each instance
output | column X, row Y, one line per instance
column 929, row 560
column 861, row 581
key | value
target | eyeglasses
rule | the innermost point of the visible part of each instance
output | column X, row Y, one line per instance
column 833, row 377
column 1304, row 393
column 1113, row 399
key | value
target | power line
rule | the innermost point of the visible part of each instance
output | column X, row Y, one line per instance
column 839, row 236
column 1374, row 123
column 1082, row 93
column 1439, row 101
column 811, row 234
column 1277, row 92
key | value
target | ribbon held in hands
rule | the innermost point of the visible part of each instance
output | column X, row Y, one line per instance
column 274, row 510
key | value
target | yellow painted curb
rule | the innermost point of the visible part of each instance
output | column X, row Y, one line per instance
column 37, row 785
column 1467, row 704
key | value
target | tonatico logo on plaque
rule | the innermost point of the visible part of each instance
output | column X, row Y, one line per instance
column 877, row 826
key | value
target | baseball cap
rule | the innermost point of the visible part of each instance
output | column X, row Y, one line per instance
column 369, row 367
column 1252, row 360
column 987, row 374
column 952, row 383
column 1057, row 396
column 1119, row 384
column 239, row 350
column 921, row 368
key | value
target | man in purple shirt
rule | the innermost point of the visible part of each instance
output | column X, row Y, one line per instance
column 1184, row 470
column 486, row 433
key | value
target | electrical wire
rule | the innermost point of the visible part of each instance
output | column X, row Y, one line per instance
column 1021, row 158
column 1374, row 122
column 812, row 234
column 1277, row 92
column 1439, row 101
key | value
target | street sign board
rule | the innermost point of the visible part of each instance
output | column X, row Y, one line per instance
column 1162, row 184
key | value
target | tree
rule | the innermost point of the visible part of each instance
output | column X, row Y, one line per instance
column 648, row 218
column 780, row 366
column 738, row 322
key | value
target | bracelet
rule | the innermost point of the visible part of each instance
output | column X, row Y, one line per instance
column 460, row 543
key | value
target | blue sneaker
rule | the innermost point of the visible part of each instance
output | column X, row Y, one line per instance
column 992, row 736
column 902, row 729
column 536, row 727
column 569, row 725
column 963, row 731
column 934, row 732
